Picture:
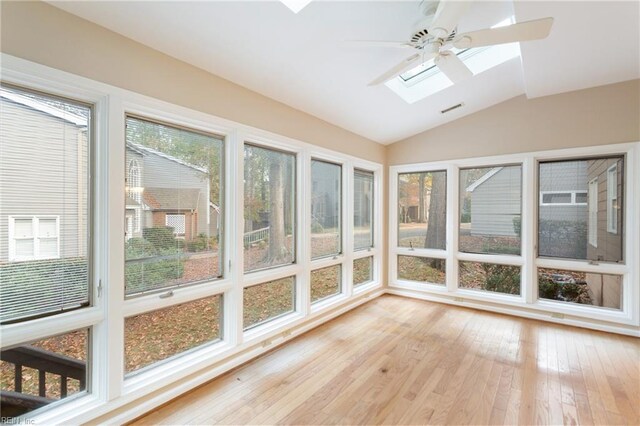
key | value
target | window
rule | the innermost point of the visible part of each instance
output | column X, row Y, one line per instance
column 267, row 301
column 593, row 212
column 422, row 269
column 326, row 209
column 490, row 277
column 161, row 334
column 362, row 271
column 38, row 373
column 612, row 199
column 362, row 210
column 422, row 207
column 269, row 208
column 326, row 282
column 44, row 211
column 176, row 222
column 579, row 230
column 566, row 198
column 173, row 195
column 33, row 238
column 585, row 288
column 490, row 210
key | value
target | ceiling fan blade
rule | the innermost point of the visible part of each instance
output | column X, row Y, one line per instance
column 412, row 61
column 524, row 31
column 378, row 43
column 447, row 16
column 453, row 67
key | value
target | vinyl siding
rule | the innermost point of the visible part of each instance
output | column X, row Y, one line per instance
column 496, row 202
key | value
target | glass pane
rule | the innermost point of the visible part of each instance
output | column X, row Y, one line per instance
column 264, row 302
column 25, row 248
column 269, row 208
column 363, row 209
column 559, row 198
column 40, row 381
column 490, row 208
column 48, row 247
column 580, row 230
column 155, row 336
column 422, row 210
column 326, row 195
column 172, row 206
column 23, row 228
column 490, row 277
column 586, row 288
column 326, row 282
column 362, row 270
column 422, row 269
column 44, row 173
column 48, row 227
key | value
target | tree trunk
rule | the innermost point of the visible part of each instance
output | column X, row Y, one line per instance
column 437, row 225
column 421, row 206
column 277, row 247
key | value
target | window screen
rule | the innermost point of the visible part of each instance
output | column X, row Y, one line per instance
column 44, row 204
column 363, row 210
column 326, row 209
column 173, row 206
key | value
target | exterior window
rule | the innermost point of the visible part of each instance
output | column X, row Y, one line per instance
column 593, row 212
column 269, row 208
column 363, row 210
column 326, row 209
column 422, row 269
column 490, row 210
column 44, row 211
column 582, row 231
column 177, row 223
column 563, row 198
column 33, row 238
column 161, row 334
column 612, row 199
column 362, row 271
column 267, row 301
column 326, row 282
column 422, row 210
column 39, row 373
column 490, row 277
column 173, row 198
column 585, row 288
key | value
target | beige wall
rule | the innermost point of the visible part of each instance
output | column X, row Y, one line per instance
column 44, row 34
column 597, row 116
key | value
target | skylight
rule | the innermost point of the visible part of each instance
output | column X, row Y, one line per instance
column 296, row 5
column 426, row 79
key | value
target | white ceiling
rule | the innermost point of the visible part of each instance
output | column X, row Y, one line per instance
column 302, row 60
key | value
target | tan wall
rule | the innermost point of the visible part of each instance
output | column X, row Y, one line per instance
column 597, row 116
column 44, row 34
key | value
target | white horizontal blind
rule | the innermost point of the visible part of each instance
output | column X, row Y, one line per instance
column 44, row 202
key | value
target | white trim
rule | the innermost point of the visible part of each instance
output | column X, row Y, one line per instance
column 572, row 194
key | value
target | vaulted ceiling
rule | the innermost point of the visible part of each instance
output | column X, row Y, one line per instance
column 302, row 59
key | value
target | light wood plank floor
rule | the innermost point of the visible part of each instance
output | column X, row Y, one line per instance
column 402, row 361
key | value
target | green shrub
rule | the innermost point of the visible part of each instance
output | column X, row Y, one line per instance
column 161, row 237
column 465, row 217
column 141, row 276
column 201, row 243
column 517, row 225
column 547, row 289
column 501, row 278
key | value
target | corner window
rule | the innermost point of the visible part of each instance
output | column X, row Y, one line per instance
column 44, row 211
column 173, row 198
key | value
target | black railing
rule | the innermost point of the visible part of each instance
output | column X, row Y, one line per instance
column 15, row 402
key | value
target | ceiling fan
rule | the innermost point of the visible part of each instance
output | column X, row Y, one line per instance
column 436, row 34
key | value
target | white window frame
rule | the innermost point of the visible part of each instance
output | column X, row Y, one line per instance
column 108, row 388
column 528, row 304
column 593, row 212
column 35, row 229
column 612, row 195
column 573, row 201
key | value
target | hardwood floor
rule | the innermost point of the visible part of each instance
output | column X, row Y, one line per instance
column 402, row 361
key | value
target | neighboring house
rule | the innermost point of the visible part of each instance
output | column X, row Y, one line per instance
column 495, row 202
column 166, row 191
column 42, row 154
column 326, row 202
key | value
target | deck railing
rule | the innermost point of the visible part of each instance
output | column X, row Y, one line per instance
column 258, row 235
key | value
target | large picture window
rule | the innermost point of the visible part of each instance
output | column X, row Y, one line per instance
column 490, row 210
column 586, row 231
column 326, row 209
column 269, row 208
column 44, row 204
column 173, row 206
